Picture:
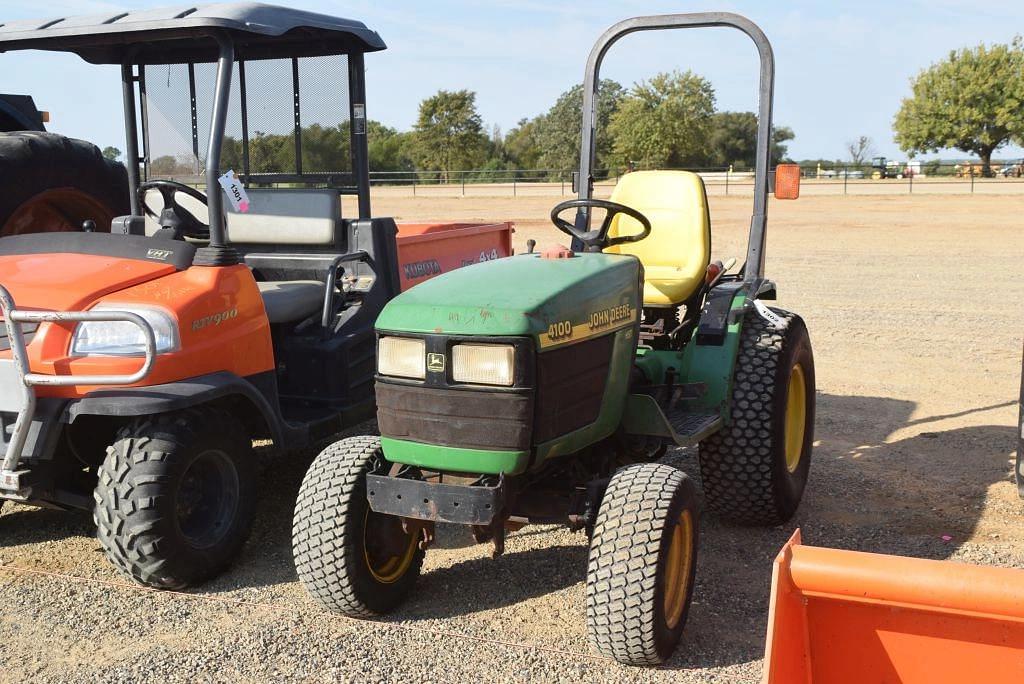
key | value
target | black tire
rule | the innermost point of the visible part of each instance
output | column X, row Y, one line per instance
column 69, row 174
column 744, row 470
column 628, row 616
column 175, row 497
column 328, row 534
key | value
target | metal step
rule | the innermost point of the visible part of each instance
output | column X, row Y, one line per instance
column 691, row 427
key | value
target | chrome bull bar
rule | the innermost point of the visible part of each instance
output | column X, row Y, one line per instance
column 17, row 381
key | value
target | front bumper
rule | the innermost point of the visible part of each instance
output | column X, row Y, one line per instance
column 437, row 502
column 18, row 399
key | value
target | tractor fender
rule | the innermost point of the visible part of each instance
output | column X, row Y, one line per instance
column 259, row 390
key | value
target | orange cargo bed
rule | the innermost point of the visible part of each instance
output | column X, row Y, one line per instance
column 426, row 250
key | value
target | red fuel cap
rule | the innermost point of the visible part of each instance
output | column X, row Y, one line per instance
column 557, row 252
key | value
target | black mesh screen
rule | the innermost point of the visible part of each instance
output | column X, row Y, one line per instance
column 177, row 142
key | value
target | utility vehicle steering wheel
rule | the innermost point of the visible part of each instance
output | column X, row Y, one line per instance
column 597, row 240
column 173, row 217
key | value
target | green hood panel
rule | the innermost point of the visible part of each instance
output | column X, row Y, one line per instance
column 521, row 295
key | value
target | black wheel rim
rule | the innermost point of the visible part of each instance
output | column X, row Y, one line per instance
column 207, row 499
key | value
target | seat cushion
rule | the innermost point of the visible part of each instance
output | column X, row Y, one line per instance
column 290, row 301
column 676, row 253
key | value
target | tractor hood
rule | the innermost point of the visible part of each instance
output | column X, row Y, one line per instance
column 553, row 300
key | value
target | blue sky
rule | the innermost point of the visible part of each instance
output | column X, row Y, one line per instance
column 842, row 67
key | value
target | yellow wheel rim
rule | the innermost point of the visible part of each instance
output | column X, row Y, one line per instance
column 796, row 418
column 677, row 569
column 384, row 566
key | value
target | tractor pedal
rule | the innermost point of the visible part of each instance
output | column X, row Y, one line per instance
column 691, row 427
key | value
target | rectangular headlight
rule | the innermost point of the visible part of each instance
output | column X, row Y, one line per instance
column 484, row 364
column 402, row 357
column 121, row 338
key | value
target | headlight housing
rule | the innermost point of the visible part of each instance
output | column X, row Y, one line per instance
column 121, row 338
column 402, row 357
column 484, row 364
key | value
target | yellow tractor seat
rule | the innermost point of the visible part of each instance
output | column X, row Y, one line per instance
column 677, row 252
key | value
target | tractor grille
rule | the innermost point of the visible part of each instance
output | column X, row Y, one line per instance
column 570, row 386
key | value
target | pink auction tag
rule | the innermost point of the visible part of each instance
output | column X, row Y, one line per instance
column 235, row 191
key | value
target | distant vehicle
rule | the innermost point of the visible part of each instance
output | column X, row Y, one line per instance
column 884, row 168
column 1013, row 169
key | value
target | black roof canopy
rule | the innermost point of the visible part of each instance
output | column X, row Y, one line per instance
column 185, row 33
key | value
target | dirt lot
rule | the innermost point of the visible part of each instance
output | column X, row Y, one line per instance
column 914, row 307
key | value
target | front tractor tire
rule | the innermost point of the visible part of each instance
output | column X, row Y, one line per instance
column 754, row 470
column 175, row 497
column 643, row 557
column 351, row 560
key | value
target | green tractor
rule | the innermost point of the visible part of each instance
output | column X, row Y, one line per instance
column 545, row 387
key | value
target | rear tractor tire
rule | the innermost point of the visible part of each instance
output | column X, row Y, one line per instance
column 351, row 560
column 643, row 557
column 754, row 470
column 175, row 497
column 54, row 184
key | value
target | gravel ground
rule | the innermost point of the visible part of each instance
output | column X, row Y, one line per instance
column 918, row 364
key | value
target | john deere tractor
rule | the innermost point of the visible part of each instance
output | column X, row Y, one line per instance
column 544, row 388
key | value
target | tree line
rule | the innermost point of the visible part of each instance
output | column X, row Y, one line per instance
column 667, row 121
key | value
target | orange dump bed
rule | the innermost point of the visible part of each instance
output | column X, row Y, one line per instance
column 426, row 250
column 846, row 616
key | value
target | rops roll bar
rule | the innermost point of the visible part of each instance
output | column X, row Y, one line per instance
column 755, row 250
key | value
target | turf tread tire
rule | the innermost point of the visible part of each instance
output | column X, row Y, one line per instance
column 625, row 619
column 742, row 466
column 134, row 525
column 327, row 542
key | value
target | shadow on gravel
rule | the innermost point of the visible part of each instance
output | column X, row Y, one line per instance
column 868, row 491
column 26, row 525
column 880, row 482
column 484, row 583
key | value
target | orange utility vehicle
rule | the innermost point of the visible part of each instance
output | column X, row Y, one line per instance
column 138, row 365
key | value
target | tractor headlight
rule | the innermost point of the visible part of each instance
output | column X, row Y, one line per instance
column 484, row 364
column 402, row 357
column 121, row 338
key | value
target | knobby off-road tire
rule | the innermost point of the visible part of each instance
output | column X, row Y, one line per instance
column 55, row 183
column 329, row 535
column 175, row 497
column 745, row 472
column 643, row 557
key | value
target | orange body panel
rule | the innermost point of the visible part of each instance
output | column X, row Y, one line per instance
column 846, row 616
column 221, row 323
column 426, row 250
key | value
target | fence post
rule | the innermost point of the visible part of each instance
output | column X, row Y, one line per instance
column 846, row 177
column 911, row 174
column 728, row 171
column 463, row 185
column 563, row 186
column 972, row 181
column 414, row 187
column 513, row 187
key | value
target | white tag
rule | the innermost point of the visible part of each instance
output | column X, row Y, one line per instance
column 235, row 191
column 769, row 315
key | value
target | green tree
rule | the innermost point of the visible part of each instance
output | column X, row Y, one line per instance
column 665, row 121
column 449, row 133
column 557, row 132
column 111, row 153
column 733, row 140
column 522, row 146
column 389, row 149
column 972, row 101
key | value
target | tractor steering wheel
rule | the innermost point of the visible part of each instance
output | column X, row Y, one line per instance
column 597, row 240
column 173, row 218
